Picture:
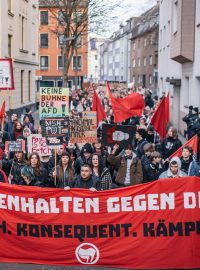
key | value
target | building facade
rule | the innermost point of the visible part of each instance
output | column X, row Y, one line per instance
column 115, row 56
column 50, row 71
column 144, row 56
column 94, row 59
column 179, row 56
column 18, row 40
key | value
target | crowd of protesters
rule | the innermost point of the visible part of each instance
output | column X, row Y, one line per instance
column 95, row 166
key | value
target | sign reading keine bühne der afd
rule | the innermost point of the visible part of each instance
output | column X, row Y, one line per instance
column 54, row 102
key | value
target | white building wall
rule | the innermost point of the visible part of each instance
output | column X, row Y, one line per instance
column 168, row 68
column 27, row 59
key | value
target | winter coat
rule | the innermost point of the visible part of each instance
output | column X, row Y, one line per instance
column 120, row 163
column 41, row 179
column 152, row 172
column 169, row 146
column 92, row 182
column 105, row 180
column 139, row 148
column 63, row 180
column 13, row 167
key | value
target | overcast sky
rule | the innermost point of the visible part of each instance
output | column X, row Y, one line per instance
column 128, row 9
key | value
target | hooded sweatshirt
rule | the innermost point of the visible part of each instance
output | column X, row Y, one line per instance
column 169, row 174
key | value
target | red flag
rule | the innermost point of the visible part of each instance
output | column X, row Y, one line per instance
column 193, row 142
column 124, row 108
column 167, row 114
column 159, row 119
column 2, row 111
column 97, row 107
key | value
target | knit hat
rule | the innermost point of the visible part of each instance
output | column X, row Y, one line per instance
column 190, row 107
column 87, row 148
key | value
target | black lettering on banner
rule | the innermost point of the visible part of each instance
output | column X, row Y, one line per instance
column 189, row 227
column 79, row 232
column 22, row 229
column 102, row 231
column 34, row 231
column 3, row 227
column 46, row 231
column 114, row 230
column 90, row 233
column 126, row 228
column 68, row 231
column 161, row 229
column 173, row 228
column 148, row 229
column 58, row 230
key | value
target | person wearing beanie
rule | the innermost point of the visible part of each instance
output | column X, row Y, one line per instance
column 174, row 170
column 84, row 158
column 128, row 167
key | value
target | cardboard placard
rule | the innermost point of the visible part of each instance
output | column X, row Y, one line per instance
column 15, row 146
column 38, row 144
column 54, row 102
column 83, row 129
column 117, row 134
column 55, row 127
column 6, row 75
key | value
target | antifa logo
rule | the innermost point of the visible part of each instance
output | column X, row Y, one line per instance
column 87, row 253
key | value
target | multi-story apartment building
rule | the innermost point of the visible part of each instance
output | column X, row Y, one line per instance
column 94, row 59
column 144, row 56
column 18, row 40
column 115, row 56
column 50, row 72
column 179, row 63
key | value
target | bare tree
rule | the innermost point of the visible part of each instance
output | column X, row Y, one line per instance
column 73, row 20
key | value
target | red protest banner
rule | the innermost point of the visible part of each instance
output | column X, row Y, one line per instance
column 154, row 225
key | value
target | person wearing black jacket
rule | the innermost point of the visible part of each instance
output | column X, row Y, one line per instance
column 141, row 141
column 84, row 158
column 170, row 144
column 85, row 180
column 153, row 170
column 40, row 173
column 13, row 167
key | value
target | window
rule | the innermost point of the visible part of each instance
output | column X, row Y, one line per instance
column 44, row 41
column 138, row 43
column 133, row 62
column 145, row 61
column 150, row 60
column 60, row 62
column 9, row 5
column 60, row 40
column 77, row 62
column 22, row 86
column 175, row 17
column 77, row 17
column 44, row 18
column 9, row 45
column 133, row 45
column 145, row 42
column 22, row 25
column 96, row 57
column 29, row 85
column 44, row 62
column 139, row 62
column 79, row 41
column 150, row 79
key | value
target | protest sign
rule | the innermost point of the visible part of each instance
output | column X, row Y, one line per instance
column 150, row 226
column 83, row 129
column 54, row 130
column 117, row 134
column 37, row 143
column 15, row 146
column 54, row 102
column 6, row 75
